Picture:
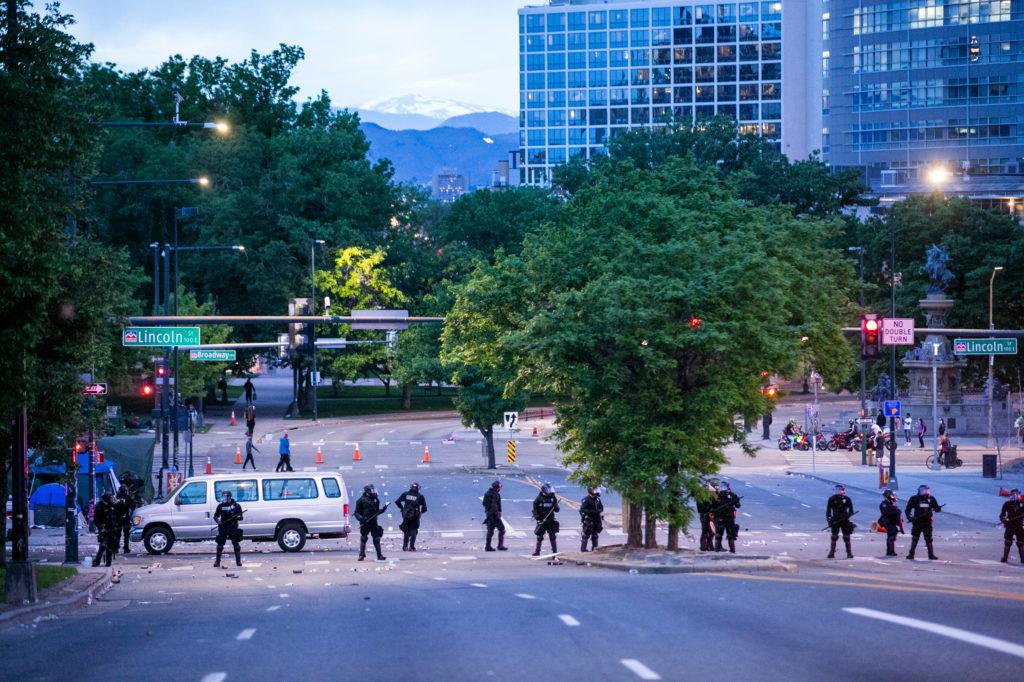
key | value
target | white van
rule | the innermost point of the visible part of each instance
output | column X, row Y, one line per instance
column 286, row 507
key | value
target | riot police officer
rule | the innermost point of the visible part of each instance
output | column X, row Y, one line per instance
column 413, row 505
column 838, row 511
column 367, row 510
column 545, row 506
column 705, row 511
column 590, row 518
column 891, row 520
column 921, row 509
column 725, row 508
column 492, row 516
column 227, row 516
column 108, row 529
column 1012, row 517
column 125, row 506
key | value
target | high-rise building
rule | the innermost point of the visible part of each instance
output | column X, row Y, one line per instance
column 590, row 69
column 448, row 185
column 926, row 93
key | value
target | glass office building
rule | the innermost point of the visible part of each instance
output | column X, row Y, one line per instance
column 590, row 69
column 914, row 84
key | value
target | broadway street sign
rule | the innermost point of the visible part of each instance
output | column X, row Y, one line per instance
column 985, row 346
column 137, row 337
column 212, row 355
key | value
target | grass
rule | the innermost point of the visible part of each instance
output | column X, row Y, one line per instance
column 46, row 577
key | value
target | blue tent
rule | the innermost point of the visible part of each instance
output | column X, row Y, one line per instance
column 51, row 494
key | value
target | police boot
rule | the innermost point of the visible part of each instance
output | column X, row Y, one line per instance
column 832, row 550
column 1006, row 552
column 718, row 544
column 583, row 545
column 732, row 546
column 913, row 546
column 216, row 563
column 536, row 551
column 890, row 547
column 554, row 545
column 110, row 556
column 931, row 552
column 362, row 550
column 412, row 541
column 405, row 542
column 501, row 542
column 593, row 542
column 238, row 557
column 849, row 550
column 376, row 546
column 1020, row 550
column 487, row 547
column 96, row 558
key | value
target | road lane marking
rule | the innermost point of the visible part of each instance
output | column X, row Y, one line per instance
column 986, row 562
column 522, row 595
column 283, row 595
column 478, row 585
column 415, row 442
column 776, row 495
column 746, row 514
column 215, row 677
column 463, row 558
column 437, row 577
column 246, row 634
column 805, row 505
column 568, row 620
column 878, row 583
column 451, row 535
column 984, row 641
column 639, row 669
column 275, row 607
column 380, row 466
column 317, row 563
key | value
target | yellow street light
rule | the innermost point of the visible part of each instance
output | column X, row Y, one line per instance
column 938, row 175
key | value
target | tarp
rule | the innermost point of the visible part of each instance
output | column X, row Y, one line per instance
column 132, row 454
column 51, row 494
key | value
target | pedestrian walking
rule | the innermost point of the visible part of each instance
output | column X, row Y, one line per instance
column 108, row 529
column 249, row 448
column 921, row 510
column 838, row 511
column 413, row 505
column 766, row 422
column 880, row 419
column 125, row 505
column 706, row 514
column 227, row 516
column 942, row 426
column 367, row 510
column 908, row 427
column 223, row 386
column 1012, row 517
column 545, row 506
column 492, row 517
column 591, row 524
column 284, row 450
column 726, row 505
column 250, row 419
column 922, row 429
column 250, row 391
column 891, row 520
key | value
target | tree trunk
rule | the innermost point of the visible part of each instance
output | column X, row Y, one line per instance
column 673, row 536
column 634, row 537
column 488, row 435
column 406, row 396
column 650, row 531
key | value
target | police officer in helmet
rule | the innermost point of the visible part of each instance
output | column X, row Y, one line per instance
column 705, row 511
column 725, row 508
column 1012, row 517
column 413, row 505
column 921, row 510
column 545, row 506
column 492, row 516
column 108, row 529
column 227, row 516
column 591, row 508
column 367, row 510
column 891, row 520
column 838, row 511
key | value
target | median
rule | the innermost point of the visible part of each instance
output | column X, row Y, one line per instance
column 661, row 560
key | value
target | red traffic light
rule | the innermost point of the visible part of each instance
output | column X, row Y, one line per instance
column 771, row 391
column 694, row 322
column 147, row 390
column 871, row 325
column 160, row 370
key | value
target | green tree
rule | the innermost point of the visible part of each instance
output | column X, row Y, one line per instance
column 194, row 378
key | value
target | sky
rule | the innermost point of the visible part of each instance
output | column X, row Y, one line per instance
column 464, row 50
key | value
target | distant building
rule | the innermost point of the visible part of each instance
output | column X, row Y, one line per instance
column 449, row 185
column 507, row 172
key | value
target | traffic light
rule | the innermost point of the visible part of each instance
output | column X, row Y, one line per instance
column 147, row 387
column 160, row 369
column 694, row 322
column 870, row 336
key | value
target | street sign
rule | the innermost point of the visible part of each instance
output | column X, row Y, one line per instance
column 202, row 355
column 898, row 331
column 137, row 337
column 94, row 389
column 511, row 420
column 892, row 408
column 511, row 449
column 985, row 346
column 397, row 315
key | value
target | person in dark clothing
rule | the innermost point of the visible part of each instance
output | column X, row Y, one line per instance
column 880, row 420
column 942, row 426
column 249, row 448
column 545, row 506
column 125, row 509
column 1012, row 517
column 108, row 529
column 725, row 508
column 591, row 508
column 223, row 386
column 413, row 505
column 766, row 422
column 891, row 520
column 250, row 391
column 367, row 510
column 228, row 515
column 492, row 516
column 250, row 420
column 838, row 511
column 922, row 429
column 705, row 511
column 921, row 508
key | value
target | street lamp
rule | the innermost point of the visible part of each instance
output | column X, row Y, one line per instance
column 938, row 176
column 202, row 181
column 859, row 250
column 991, row 357
column 312, row 327
column 935, row 401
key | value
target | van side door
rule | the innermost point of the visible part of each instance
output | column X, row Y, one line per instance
column 192, row 516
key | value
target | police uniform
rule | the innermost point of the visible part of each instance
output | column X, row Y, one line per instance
column 367, row 509
column 413, row 505
column 591, row 508
column 921, row 509
column 725, row 519
column 705, row 511
column 492, row 516
column 544, row 509
column 125, row 506
column 108, row 529
column 890, row 519
column 227, row 516
column 1012, row 517
column 838, row 511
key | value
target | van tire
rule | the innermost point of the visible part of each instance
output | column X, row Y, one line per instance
column 158, row 540
column 291, row 537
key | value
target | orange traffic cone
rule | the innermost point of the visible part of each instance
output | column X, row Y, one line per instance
column 209, row 466
column 319, row 455
column 426, row 454
column 238, row 455
column 536, row 433
column 233, row 417
column 356, row 457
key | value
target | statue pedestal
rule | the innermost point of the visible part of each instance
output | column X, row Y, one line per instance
column 921, row 360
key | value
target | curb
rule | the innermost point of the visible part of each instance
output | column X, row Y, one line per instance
column 96, row 589
column 737, row 565
column 816, row 477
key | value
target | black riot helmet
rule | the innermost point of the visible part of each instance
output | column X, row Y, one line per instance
column 227, row 495
column 370, row 490
column 839, row 489
column 108, row 497
column 923, row 490
column 415, row 487
column 547, row 489
column 595, row 492
column 725, row 487
column 122, row 491
column 496, row 485
column 889, row 494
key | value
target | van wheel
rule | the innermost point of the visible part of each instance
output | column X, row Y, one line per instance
column 158, row 540
column 291, row 537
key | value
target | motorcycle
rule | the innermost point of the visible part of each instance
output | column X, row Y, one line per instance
column 844, row 440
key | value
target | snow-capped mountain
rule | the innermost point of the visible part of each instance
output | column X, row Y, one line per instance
column 414, row 112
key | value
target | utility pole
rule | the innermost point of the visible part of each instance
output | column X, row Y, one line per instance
column 991, row 358
column 894, row 393
column 166, row 388
column 863, row 375
column 312, row 327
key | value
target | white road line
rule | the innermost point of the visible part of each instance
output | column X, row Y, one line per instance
column 522, row 595
column 215, row 677
column 439, row 578
column 415, row 442
column 463, row 558
column 246, row 634
column 380, row 466
column 639, row 669
column 283, row 595
column 317, row 563
column 331, row 433
column 776, row 495
column 422, row 466
column 478, row 585
column 181, row 568
column 451, row 535
column 275, row 607
column 985, row 562
column 745, row 514
column 351, row 442
column 805, row 505
column 944, row 630
column 568, row 620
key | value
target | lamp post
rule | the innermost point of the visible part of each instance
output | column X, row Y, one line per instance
column 935, row 401
column 991, row 358
column 863, row 377
column 315, row 379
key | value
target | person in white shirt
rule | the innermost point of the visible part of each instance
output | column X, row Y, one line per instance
column 908, row 427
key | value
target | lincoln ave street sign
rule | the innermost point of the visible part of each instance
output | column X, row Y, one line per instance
column 985, row 346
column 137, row 337
column 212, row 355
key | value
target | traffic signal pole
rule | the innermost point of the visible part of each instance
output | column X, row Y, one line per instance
column 165, row 389
column 893, row 483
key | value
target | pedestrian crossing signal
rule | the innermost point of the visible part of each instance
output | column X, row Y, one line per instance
column 511, row 449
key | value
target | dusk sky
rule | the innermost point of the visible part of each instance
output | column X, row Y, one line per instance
column 358, row 51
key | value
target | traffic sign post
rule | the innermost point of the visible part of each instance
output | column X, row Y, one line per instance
column 511, row 452
column 898, row 331
column 892, row 408
column 511, row 420
column 94, row 389
column 985, row 346
column 139, row 337
column 202, row 355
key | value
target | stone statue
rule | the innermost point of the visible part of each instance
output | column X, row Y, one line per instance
column 939, row 276
column 883, row 389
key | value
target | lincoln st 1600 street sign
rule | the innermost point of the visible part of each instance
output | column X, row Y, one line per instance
column 985, row 346
column 137, row 337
